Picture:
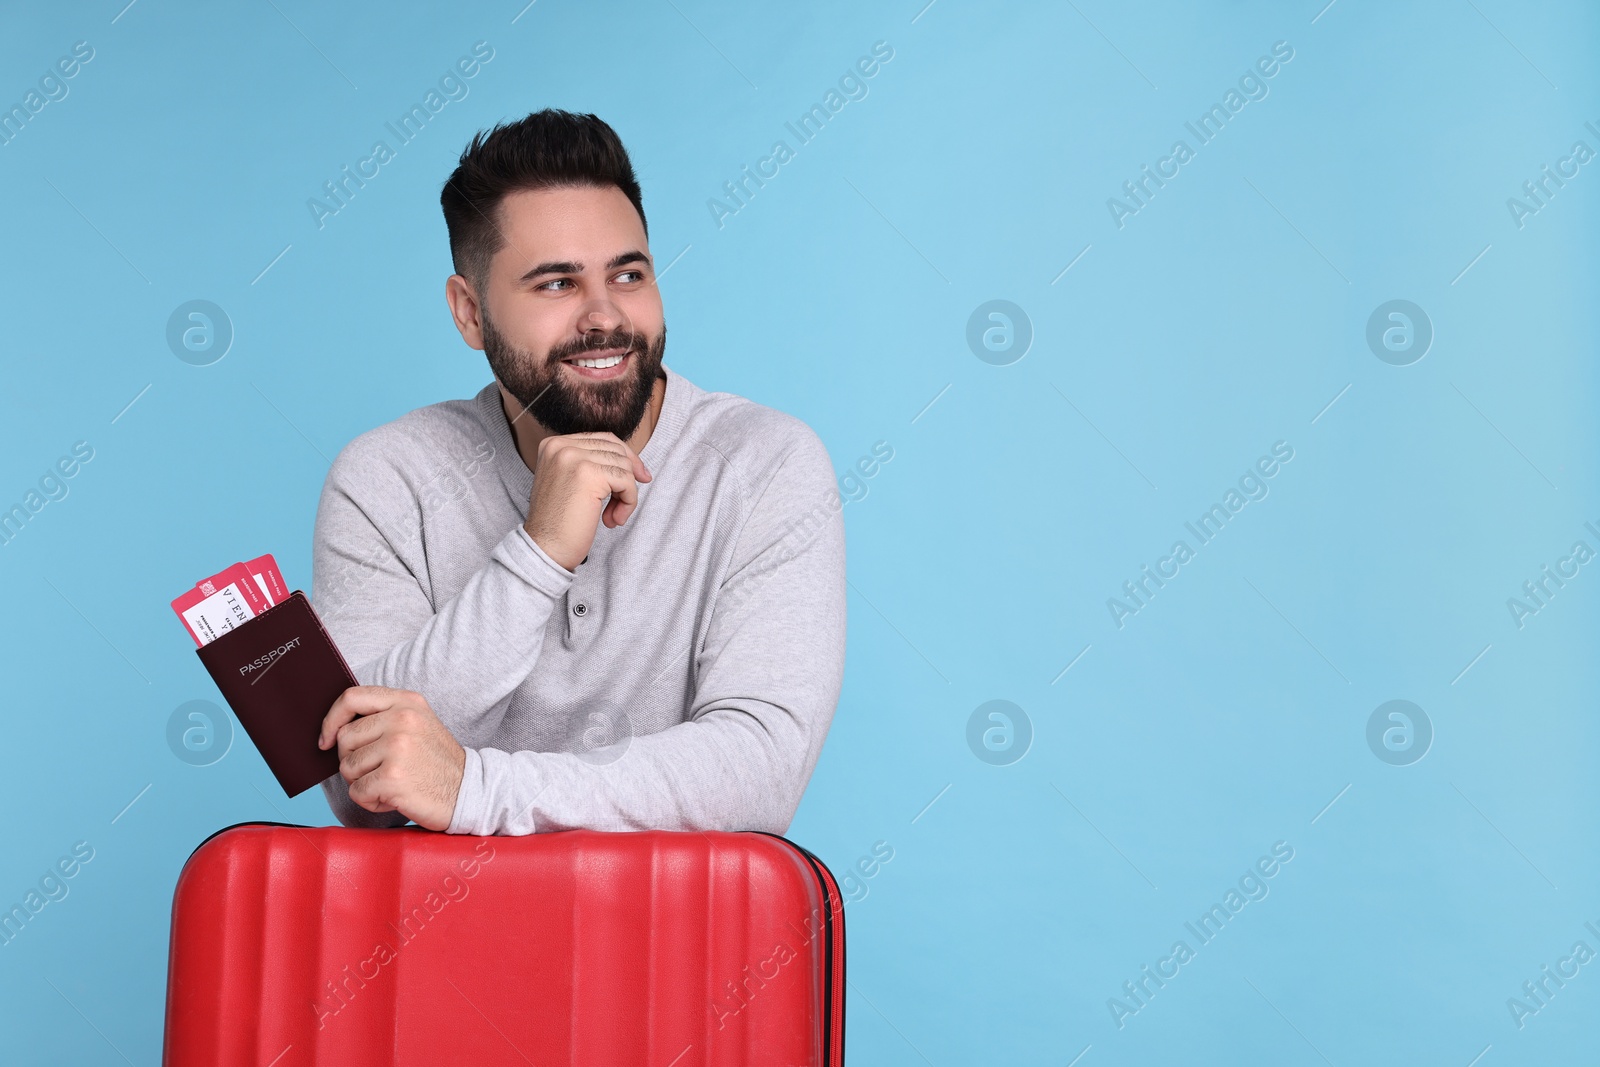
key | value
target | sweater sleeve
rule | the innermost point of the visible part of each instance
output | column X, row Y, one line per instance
column 768, row 675
column 466, row 657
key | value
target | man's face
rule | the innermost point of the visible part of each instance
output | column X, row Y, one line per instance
column 574, row 281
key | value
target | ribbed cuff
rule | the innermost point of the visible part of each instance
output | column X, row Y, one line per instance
column 523, row 556
column 468, row 816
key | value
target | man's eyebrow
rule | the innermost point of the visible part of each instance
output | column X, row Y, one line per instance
column 566, row 266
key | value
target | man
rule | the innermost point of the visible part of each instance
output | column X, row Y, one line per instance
column 594, row 595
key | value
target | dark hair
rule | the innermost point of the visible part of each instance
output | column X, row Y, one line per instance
column 548, row 149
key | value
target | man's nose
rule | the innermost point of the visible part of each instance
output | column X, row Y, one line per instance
column 601, row 314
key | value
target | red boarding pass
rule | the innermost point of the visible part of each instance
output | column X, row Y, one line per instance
column 220, row 603
column 265, row 571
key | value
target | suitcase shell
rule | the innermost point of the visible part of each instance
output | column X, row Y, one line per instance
column 295, row 945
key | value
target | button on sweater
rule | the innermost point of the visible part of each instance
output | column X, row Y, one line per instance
column 683, row 677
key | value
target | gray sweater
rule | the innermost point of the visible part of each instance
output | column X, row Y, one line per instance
column 683, row 678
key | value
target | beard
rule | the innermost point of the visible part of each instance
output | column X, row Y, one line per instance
column 563, row 406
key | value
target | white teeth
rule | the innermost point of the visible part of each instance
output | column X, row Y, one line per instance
column 598, row 364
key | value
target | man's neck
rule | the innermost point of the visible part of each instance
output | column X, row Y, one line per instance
column 528, row 432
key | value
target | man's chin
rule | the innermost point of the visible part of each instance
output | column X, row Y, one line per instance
column 583, row 412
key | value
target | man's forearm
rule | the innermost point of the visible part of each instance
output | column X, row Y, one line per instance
column 729, row 770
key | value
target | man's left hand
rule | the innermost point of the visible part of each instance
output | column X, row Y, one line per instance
column 395, row 753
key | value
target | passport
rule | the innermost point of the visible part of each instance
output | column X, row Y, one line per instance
column 280, row 672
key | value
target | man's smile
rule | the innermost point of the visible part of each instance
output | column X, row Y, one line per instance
column 601, row 364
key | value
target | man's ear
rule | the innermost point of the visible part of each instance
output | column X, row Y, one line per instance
column 462, row 298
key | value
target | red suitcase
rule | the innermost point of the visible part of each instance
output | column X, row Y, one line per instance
column 296, row 945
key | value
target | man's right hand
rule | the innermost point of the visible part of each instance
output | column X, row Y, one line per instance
column 574, row 477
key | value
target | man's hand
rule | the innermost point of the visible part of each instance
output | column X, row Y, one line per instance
column 395, row 753
column 573, row 476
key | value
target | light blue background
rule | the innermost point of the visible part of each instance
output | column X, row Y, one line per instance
column 1223, row 317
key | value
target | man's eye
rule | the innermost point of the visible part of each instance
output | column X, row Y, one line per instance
column 556, row 281
column 637, row 275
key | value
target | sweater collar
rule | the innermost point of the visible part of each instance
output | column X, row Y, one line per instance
column 516, row 476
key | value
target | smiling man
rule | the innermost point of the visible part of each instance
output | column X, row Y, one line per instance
column 593, row 595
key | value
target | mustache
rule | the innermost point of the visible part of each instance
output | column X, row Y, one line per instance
column 623, row 339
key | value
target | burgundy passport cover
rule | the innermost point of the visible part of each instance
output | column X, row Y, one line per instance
column 280, row 672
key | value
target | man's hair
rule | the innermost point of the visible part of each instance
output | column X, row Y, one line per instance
column 548, row 149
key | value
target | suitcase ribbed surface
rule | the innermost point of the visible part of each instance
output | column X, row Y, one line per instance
column 332, row 945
